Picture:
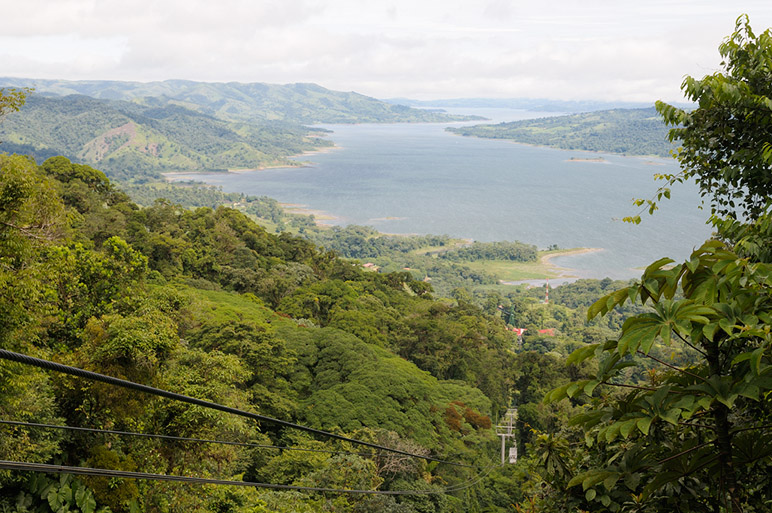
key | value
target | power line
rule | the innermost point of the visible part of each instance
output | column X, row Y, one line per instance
column 176, row 438
column 89, row 471
column 74, row 371
column 480, row 476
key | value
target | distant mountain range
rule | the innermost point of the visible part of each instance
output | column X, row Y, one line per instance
column 625, row 131
column 253, row 102
column 530, row 104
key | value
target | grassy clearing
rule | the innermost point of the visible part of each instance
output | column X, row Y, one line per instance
column 506, row 270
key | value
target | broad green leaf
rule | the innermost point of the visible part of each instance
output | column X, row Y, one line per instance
column 637, row 332
column 693, row 264
column 656, row 265
column 726, row 325
column 80, row 495
column 581, row 354
column 727, row 400
column 573, row 388
column 594, row 477
column 756, row 359
column 709, row 330
column 89, row 505
column 752, row 392
column 576, row 480
column 611, row 481
column 590, row 387
column 613, row 431
column 672, row 416
column 644, row 425
column 632, row 480
column 54, row 499
column 705, row 402
column 557, row 394
column 627, row 427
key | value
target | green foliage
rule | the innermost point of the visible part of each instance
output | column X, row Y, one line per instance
column 40, row 494
column 363, row 242
column 727, row 140
column 692, row 434
column 183, row 300
column 32, row 217
column 514, row 251
column 12, row 99
column 627, row 131
column 29, row 397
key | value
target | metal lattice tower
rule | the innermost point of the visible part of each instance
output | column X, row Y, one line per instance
column 506, row 429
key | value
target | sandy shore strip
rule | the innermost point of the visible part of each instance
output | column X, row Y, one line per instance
column 597, row 160
column 323, row 149
column 537, row 273
column 547, row 259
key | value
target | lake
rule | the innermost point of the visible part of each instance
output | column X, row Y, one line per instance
column 417, row 178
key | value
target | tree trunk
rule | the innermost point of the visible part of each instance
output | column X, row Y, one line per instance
column 728, row 478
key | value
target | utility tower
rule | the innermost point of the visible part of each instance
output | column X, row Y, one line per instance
column 506, row 429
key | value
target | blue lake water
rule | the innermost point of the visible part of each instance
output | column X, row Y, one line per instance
column 417, row 178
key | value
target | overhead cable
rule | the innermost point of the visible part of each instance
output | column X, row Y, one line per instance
column 176, row 438
column 74, row 371
column 88, row 471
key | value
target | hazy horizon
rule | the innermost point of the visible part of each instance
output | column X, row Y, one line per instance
column 557, row 49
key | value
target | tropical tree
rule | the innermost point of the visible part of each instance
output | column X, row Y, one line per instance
column 12, row 99
column 695, row 436
column 726, row 141
column 700, row 435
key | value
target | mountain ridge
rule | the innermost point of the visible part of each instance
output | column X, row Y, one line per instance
column 304, row 103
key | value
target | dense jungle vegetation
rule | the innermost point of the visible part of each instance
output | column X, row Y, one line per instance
column 207, row 303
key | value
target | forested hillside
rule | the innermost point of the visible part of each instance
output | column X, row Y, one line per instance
column 136, row 142
column 206, row 303
column 626, row 131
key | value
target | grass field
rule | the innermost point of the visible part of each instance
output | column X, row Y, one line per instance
column 508, row 271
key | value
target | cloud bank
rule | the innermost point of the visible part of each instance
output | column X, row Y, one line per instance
column 595, row 49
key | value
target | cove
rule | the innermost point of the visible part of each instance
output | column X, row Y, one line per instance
column 417, row 178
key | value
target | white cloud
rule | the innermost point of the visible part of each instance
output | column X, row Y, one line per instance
column 616, row 49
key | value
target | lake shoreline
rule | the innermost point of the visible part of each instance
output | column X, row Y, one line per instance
column 172, row 176
column 547, row 259
column 544, row 269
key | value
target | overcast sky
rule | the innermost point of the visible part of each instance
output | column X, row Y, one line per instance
column 635, row 50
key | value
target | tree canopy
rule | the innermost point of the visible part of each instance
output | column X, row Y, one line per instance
column 695, row 434
column 726, row 142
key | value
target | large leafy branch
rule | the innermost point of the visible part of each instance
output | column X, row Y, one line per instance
column 709, row 418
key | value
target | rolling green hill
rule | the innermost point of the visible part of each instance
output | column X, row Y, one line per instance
column 299, row 103
column 626, row 131
column 133, row 141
